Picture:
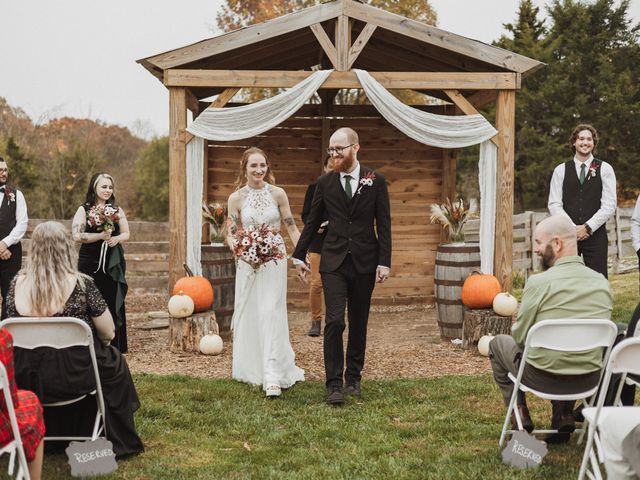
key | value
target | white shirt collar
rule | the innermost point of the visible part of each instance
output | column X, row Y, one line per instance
column 355, row 174
column 587, row 162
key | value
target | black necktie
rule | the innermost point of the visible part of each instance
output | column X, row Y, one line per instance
column 347, row 186
column 2, row 188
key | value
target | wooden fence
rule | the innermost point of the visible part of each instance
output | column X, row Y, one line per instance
column 524, row 224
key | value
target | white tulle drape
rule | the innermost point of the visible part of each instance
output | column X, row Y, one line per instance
column 447, row 132
column 443, row 131
column 195, row 171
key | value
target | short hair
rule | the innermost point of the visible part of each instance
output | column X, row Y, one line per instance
column 351, row 134
column 579, row 128
column 3, row 160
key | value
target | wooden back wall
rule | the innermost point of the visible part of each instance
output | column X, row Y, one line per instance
column 414, row 176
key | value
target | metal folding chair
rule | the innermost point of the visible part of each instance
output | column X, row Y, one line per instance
column 16, row 444
column 565, row 335
column 60, row 333
column 625, row 359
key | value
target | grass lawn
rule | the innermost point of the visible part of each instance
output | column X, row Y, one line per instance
column 401, row 429
column 445, row 428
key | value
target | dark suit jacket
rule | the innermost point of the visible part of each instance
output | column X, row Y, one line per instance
column 318, row 239
column 361, row 226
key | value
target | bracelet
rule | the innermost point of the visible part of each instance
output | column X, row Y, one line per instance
column 588, row 228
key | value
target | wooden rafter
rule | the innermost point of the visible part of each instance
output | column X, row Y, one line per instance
column 360, row 43
column 343, row 43
column 389, row 80
column 325, row 43
column 224, row 97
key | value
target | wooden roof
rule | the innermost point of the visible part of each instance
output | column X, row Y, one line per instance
column 289, row 42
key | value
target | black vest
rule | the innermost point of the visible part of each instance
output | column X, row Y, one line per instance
column 581, row 202
column 8, row 213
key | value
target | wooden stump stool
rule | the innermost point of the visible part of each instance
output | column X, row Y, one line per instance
column 185, row 333
column 477, row 323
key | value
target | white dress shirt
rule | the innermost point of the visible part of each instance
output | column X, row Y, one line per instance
column 608, row 200
column 635, row 226
column 22, row 220
column 355, row 178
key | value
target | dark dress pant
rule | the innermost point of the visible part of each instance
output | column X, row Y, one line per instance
column 8, row 269
column 346, row 288
column 594, row 251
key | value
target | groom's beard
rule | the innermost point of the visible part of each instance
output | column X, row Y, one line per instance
column 344, row 163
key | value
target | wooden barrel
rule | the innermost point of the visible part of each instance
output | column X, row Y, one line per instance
column 219, row 266
column 454, row 263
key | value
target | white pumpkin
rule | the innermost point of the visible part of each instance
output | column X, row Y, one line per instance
column 180, row 306
column 211, row 344
column 505, row 304
column 483, row 345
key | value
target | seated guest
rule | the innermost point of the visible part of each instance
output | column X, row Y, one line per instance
column 566, row 289
column 51, row 286
column 28, row 413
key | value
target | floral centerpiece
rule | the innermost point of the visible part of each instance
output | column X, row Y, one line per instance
column 258, row 245
column 216, row 215
column 453, row 215
column 103, row 217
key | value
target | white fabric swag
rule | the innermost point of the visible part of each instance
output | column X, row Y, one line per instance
column 443, row 131
column 195, row 172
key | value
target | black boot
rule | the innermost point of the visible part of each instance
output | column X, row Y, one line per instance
column 523, row 410
column 314, row 331
column 562, row 420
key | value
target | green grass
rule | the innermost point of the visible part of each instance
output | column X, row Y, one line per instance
column 400, row 429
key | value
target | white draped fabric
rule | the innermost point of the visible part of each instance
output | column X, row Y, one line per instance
column 195, row 171
column 236, row 123
column 444, row 131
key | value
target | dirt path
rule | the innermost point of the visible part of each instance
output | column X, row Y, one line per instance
column 403, row 341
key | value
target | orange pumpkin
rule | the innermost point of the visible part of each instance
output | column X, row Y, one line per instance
column 199, row 289
column 479, row 290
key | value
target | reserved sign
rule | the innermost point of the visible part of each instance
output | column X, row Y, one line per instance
column 90, row 458
column 524, row 451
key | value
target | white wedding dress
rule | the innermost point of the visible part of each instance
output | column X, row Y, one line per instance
column 262, row 353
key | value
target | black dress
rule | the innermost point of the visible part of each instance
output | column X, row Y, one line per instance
column 110, row 279
column 57, row 375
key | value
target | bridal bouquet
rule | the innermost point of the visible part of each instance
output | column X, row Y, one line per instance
column 103, row 217
column 216, row 215
column 258, row 245
column 453, row 216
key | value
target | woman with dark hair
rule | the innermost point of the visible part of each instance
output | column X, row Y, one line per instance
column 101, row 226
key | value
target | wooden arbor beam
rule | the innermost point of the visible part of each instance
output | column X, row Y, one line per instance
column 178, row 190
column 389, row 80
column 503, row 240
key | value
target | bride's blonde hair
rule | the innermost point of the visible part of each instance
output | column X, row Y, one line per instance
column 52, row 259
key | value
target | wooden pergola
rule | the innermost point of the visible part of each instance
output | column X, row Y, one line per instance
column 401, row 54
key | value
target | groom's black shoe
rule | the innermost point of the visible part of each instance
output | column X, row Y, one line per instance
column 335, row 396
column 353, row 388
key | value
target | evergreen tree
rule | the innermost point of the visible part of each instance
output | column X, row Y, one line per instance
column 152, row 180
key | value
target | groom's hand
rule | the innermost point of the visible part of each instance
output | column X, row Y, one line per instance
column 303, row 271
column 382, row 273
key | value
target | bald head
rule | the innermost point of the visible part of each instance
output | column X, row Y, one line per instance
column 348, row 134
column 555, row 237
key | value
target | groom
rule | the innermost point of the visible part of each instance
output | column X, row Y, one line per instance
column 356, row 253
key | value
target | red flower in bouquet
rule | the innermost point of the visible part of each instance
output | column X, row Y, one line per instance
column 103, row 217
column 258, row 245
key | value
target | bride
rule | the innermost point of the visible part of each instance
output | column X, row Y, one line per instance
column 262, row 354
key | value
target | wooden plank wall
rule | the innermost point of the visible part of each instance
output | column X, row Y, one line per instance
column 414, row 176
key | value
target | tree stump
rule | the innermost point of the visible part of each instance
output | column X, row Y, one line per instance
column 185, row 333
column 477, row 323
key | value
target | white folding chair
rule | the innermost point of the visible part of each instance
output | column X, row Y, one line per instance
column 625, row 358
column 60, row 333
column 565, row 335
column 16, row 444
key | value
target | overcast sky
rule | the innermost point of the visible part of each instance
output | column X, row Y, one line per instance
column 77, row 57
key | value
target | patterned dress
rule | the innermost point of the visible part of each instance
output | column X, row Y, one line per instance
column 25, row 403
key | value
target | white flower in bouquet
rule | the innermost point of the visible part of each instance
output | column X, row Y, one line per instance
column 453, row 215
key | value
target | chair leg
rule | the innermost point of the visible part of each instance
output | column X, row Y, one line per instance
column 23, row 466
column 12, row 460
column 507, row 418
column 588, row 454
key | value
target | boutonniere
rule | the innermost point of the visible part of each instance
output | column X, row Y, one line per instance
column 10, row 195
column 592, row 170
column 366, row 181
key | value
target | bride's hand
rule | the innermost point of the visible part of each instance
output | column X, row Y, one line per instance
column 113, row 241
column 105, row 235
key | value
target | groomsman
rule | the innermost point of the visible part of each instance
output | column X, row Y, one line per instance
column 355, row 255
column 13, row 225
column 315, row 247
column 584, row 189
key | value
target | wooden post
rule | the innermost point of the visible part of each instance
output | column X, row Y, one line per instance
column 178, row 176
column 534, row 258
column 448, row 181
column 616, row 261
column 343, row 42
column 205, row 188
column 505, row 123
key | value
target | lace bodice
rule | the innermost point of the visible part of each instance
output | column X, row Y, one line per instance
column 258, row 207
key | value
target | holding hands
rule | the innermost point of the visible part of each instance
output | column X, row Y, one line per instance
column 582, row 232
column 5, row 254
column 303, row 271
